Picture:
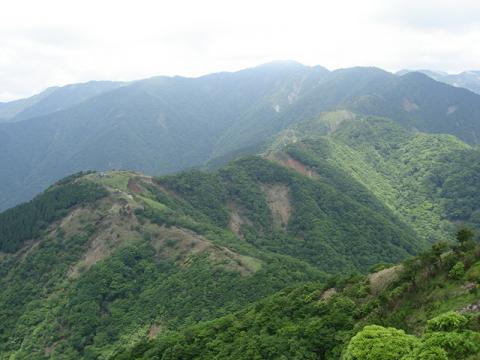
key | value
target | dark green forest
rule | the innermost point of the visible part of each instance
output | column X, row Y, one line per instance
column 27, row 221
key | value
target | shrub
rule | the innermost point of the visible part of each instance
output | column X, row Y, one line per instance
column 450, row 321
column 457, row 271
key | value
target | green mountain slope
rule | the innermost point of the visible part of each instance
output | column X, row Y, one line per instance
column 331, row 222
column 156, row 126
column 428, row 180
column 413, row 100
column 102, row 267
column 248, row 259
column 100, row 260
column 318, row 321
column 161, row 125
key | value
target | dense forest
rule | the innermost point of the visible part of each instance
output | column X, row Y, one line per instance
column 427, row 180
column 322, row 219
column 26, row 221
column 352, row 317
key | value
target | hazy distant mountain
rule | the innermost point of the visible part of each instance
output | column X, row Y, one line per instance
column 8, row 110
column 468, row 79
column 157, row 125
column 166, row 124
column 53, row 99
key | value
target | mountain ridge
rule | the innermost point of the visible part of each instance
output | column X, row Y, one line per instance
column 102, row 263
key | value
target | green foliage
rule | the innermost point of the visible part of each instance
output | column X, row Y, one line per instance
column 427, row 353
column 450, row 321
column 315, row 321
column 292, row 324
column 54, row 301
column 457, row 345
column 457, row 271
column 26, row 221
column 378, row 343
column 25, row 286
column 428, row 180
column 326, row 215
column 377, row 185
column 445, row 338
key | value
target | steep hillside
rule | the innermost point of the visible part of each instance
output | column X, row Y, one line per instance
column 332, row 222
column 102, row 259
column 433, row 297
column 95, row 261
column 161, row 125
column 428, row 180
column 65, row 97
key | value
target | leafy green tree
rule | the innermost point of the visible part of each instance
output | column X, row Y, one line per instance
column 449, row 321
column 438, row 249
column 427, row 353
column 457, row 271
column 376, row 342
column 464, row 235
column 465, row 239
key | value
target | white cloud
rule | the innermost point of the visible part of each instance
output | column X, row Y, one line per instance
column 54, row 42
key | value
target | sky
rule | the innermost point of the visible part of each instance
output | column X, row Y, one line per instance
column 57, row 42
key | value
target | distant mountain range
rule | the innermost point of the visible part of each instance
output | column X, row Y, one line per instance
column 468, row 79
column 53, row 99
column 165, row 124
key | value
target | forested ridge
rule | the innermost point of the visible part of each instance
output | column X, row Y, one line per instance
column 289, row 253
column 350, row 317
column 26, row 221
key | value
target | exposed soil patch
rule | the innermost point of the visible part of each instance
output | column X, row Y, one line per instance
column 181, row 244
column 380, row 280
column 237, row 219
column 49, row 349
column 470, row 308
column 278, row 200
column 178, row 242
column 115, row 225
column 299, row 167
column 154, row 330
column 133, row 186
column 451, row 110
column 327, row 294
column 409, row 106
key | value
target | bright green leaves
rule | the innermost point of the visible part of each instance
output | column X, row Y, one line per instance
column 446, row 337
column 379, row 343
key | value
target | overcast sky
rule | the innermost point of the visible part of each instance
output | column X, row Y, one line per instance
column 56, row 42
